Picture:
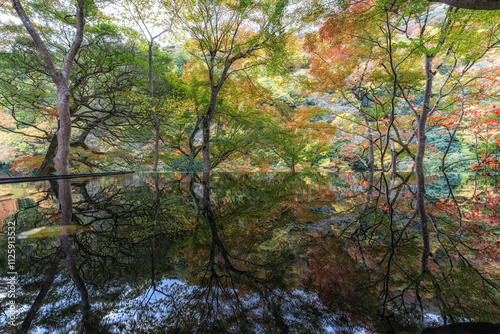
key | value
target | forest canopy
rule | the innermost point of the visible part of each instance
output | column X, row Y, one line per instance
column 284, row 85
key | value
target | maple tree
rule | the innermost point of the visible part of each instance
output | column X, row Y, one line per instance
column 60, row 78
column 383, row 79
column 148, row 16
column 367, row 59
column 101, row 110
column 229, row 37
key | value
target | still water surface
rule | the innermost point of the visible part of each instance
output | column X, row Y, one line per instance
column 250, row 253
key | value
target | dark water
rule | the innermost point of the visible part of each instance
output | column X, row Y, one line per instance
column 249, row 253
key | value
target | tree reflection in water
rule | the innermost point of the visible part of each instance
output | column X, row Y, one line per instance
column 369, row 266
column 274, row 253
column 62, row 189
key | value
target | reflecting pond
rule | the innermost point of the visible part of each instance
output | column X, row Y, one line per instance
column 251, row 253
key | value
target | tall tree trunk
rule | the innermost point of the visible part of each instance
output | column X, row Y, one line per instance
column 368, row 195
column 207, row 123
column 152, row 105
column 61, row 160
column 419, row 163
column 61, row 79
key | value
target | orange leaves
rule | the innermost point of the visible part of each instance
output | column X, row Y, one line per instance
column 485, row 163
column 27, row 164
column 6, row 120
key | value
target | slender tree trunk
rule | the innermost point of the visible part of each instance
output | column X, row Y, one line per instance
column 369, row 135
column 152, row 105
column 207, row 122
column 452, row 136
column 419, row 164
column 61, row 79
column 394, row 161
column 477, row 154
column 368, row 195
column 383, row 167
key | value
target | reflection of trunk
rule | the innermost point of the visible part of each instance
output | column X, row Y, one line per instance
column 157, row 211
column 419, row 163
column 66, row 204
column 63, row 193
column 221, row 282
column 47, row 283
column 67, row 246
column 47, row 166
column 208, row 212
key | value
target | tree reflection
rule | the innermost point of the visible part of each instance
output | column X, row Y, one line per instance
column 274, row 253
column 88, row 262
column 374, row 259
column 62, row 189
column 243, row 293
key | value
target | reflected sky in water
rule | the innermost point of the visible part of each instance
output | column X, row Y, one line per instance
column 252, row 253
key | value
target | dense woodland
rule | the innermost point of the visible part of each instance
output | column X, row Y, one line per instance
column 229, row 86
column 200, row 85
